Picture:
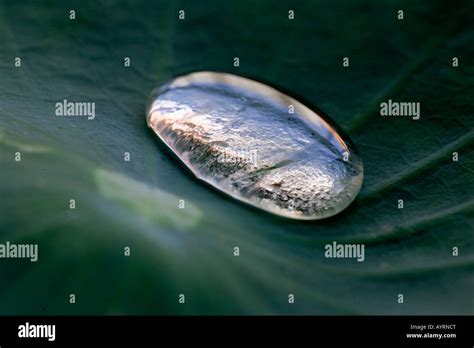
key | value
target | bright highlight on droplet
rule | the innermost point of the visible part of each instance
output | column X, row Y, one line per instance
column 256, row 144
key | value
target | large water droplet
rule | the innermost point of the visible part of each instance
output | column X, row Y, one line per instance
column 256, row 144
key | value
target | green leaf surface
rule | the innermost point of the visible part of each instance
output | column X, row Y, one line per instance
column 407, row 251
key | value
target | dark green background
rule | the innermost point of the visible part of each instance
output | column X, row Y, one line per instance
column 190, row 251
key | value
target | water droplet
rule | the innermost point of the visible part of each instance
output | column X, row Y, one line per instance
column 237, row 135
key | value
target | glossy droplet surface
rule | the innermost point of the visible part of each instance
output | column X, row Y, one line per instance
column 256, row 144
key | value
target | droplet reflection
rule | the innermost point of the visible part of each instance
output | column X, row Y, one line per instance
column 239, row 136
